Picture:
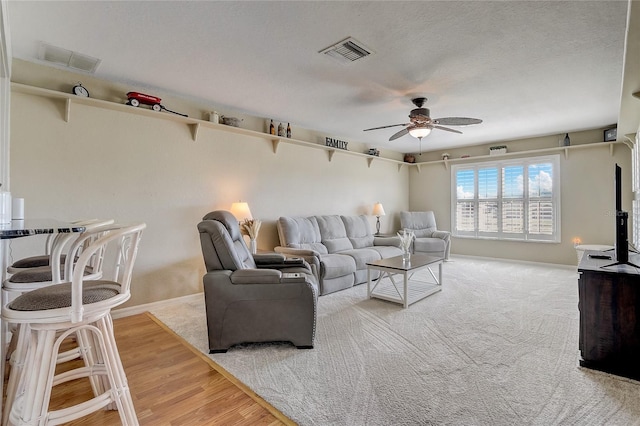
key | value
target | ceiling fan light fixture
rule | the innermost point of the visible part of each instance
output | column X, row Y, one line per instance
column 420, row 132
column 421, row 124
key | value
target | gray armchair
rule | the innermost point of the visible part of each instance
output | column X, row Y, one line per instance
column 247, row 297
column 428, row 239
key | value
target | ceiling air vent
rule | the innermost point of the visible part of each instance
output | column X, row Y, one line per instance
column 347, row 51
column 67, row 58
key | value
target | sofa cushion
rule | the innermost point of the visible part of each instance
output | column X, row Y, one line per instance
column 362, row 256
column 423, row 224
column 387, row 241
column 301, row 233
column 333, row 233
column 336, row 284
column 387, row 251
column 336, row 265
column 423, row 233
column 429, row 245
column 358, row 231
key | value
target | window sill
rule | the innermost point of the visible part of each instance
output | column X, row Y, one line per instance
column 506, row 240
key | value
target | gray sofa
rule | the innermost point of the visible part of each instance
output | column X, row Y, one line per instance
column 338, row 247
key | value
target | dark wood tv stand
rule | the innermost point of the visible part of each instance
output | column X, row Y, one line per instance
column 609, row 304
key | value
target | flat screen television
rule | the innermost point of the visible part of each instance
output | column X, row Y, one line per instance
column 622, row 217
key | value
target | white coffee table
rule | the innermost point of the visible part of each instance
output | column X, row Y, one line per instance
column 408, row 290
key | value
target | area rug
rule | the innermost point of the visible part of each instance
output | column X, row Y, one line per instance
column 497, row 346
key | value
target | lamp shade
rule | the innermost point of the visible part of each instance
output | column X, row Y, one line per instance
column 419, row 132
column 378, row 210
column 241, row 211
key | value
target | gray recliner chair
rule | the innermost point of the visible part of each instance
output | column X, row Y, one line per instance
column 428, row 239
column 253, row 298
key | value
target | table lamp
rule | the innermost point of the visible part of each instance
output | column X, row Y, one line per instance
column 248, row 225
column 378, row 211
column 241, row 211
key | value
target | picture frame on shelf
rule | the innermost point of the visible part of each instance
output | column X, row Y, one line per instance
column 611, row 134
column 497, row 150
column 409, row 158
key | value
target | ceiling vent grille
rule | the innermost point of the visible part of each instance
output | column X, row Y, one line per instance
column 347, row 51
column 67, row 58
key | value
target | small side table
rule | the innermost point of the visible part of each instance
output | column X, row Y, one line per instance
column 580, row 249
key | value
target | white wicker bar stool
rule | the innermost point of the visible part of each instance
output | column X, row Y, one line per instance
column 52, row 240
column 53, row 272
column 34, row 277
column 82, row 307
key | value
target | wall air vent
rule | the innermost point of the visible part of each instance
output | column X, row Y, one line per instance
column 67, row 58
column 347, row 51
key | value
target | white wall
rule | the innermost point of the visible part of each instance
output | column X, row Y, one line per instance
column 105, row 163
column 587, row 202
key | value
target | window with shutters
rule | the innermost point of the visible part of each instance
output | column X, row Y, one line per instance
column 509, row 200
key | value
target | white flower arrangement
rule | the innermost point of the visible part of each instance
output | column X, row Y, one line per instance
column 406, row 238
column 250, row 227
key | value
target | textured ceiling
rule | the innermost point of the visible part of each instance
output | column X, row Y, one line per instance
column 527, row 68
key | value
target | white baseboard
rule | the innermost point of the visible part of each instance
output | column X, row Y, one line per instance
column 138, row 309
column 525, row 262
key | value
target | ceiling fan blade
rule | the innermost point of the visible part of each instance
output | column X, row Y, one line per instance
column 457, row 121
column 447, row 129
column 384, row 127
column 399, row 134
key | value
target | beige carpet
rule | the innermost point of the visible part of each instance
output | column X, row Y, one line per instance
column 497, row 346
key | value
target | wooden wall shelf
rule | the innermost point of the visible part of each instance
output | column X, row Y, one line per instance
column 194, row 124
column 565, row 149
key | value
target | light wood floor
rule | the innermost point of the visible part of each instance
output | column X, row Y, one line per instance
column 172, row 383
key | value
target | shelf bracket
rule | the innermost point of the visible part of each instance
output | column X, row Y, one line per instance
column 400, row 166
column 330, row 152
column 629, row 140
column 67, row 110
column 369, row 161
column 566, row 153
column 275, row 143
column 611, row 150
column 195, row 128
column 446, row 165
column 418, row 165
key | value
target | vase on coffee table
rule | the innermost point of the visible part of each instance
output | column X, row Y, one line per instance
column 406, row 238
column 406, row 256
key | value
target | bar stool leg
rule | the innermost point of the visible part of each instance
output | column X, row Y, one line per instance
column 88, row 347
column 119, row 385
column 16, row 362
column 31, row 405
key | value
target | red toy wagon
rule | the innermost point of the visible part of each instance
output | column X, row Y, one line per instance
column 137, row 98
